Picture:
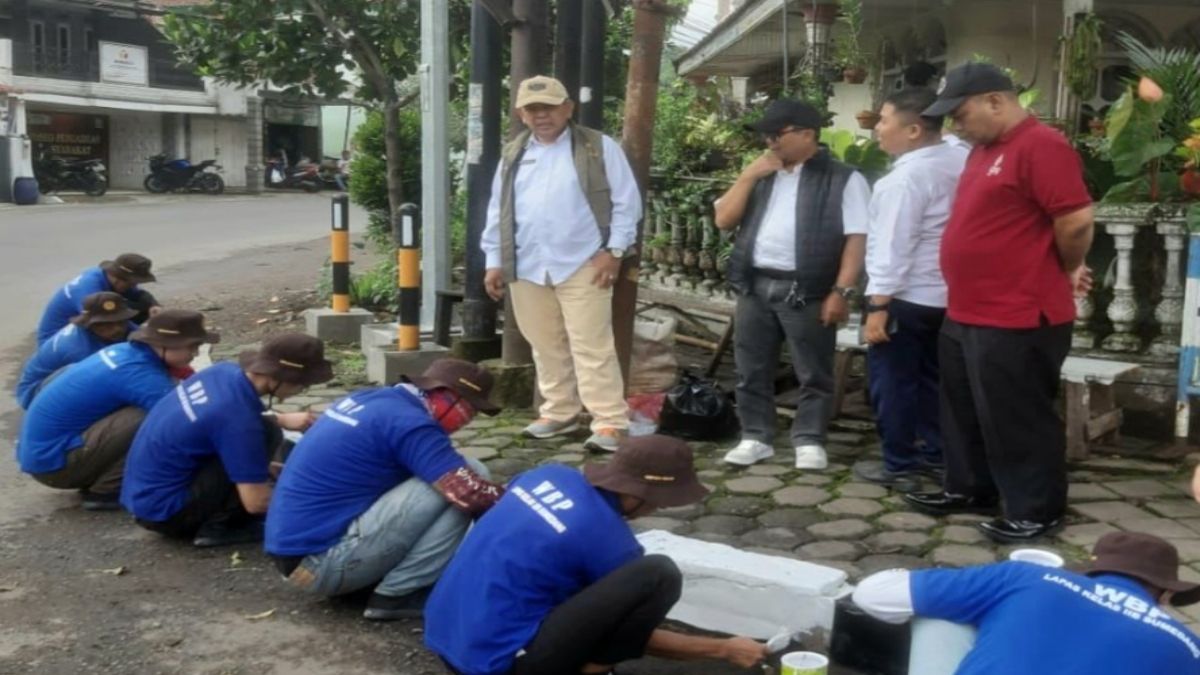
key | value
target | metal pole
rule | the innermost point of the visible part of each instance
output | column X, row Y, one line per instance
column 435, row 153
column 407, row 233
column 339, row 252
column 567, row 52
column 591, row 64
column 483, row 153
column 641, row 97
column 528, row 59
column 786, row 44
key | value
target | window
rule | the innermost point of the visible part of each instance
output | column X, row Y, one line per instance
column 89, row 40
column 37, row 36
column 64, row 42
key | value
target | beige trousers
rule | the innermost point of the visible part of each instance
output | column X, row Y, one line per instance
column 569, row 326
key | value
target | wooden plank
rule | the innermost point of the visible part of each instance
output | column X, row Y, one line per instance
column 1078, row 415
column 1105, row 424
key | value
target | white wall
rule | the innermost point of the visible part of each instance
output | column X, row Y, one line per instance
column 222, row 139
column 847, row 101
column 133, row 136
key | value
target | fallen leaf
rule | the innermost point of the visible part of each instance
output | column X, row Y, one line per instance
column 6, row 589
column 261, row 615
column 236, row 559
column 274, row 310
column 262, row 321
column 274, row 298
column 115, row 571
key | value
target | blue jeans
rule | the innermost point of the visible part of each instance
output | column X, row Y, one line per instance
column 939, row 647
column 401, row 544
column 904, row 387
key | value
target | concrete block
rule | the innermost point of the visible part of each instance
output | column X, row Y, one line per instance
column 372, row 335
column 343, row 327
column 744, row 593
column 386, row 364
column 513, row 386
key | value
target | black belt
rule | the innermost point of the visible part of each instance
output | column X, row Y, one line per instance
column 780, row 275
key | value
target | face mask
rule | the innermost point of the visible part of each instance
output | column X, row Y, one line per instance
column 449, row 410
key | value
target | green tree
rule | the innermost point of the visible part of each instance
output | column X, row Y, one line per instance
column 314, row 48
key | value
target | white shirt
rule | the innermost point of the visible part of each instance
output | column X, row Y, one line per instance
column 775, row 246
column 887, row 596
column 556, row 230
column 908, row 215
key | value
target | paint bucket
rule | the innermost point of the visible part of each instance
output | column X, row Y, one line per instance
column 803, row 663
column 1037, row 556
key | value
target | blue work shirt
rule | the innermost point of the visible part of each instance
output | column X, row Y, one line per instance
column 1034, row 619
column 126, row 374
column 549, row 537
column 361, row 447
column 214, row 413
column 70, row 345
column 67, row 302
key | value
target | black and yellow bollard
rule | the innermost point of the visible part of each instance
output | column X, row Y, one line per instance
column 406, row 230
column 339, row 241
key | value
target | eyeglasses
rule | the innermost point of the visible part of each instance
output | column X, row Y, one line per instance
column 771, row 137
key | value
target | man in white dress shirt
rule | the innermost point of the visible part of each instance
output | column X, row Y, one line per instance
column 564, row 210
column 906, row 294
column 802, row 224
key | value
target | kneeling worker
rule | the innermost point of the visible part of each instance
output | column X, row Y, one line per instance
column 198, row 468
column 122, row 275
column 79, row 428
column 376, row 495
column 552, row 581
column 104, row 321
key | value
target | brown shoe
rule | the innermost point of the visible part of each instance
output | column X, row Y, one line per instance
column 604, row 440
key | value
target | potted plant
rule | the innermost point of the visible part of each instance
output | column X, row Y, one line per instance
column 867, row 119
column 848, row 54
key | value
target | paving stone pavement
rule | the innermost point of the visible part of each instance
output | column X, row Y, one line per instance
column 832, row 518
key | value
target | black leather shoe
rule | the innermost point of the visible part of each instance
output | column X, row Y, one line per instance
column 393, row 607
column 943, row 503
column 100, row 501
column 1007, row 531
column 223, row 534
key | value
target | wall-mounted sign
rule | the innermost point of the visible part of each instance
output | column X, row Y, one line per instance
column 297, row 114
column 124, row 64
column 68, row 135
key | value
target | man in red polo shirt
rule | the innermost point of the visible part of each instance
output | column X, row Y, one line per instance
column 1013, row 257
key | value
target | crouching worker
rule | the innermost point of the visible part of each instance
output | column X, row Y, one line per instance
column 552, row 581
column 198, row 468
column 78, row 430
column 123, row 276
column 103, row 321
column 376, row 495
column 1104, row 620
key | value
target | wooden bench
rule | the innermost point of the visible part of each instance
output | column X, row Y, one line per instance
column 1092, row 412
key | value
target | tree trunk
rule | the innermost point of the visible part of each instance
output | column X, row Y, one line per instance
column 391, row 140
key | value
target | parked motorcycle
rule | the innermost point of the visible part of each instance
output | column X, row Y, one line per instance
column 305, row 176
column 169, row 175
column 55, row 173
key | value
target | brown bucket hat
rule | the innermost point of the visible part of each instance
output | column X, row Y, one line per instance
column 172, row 328
column 655, row 468
column 131, row 267
column 470, row 380
column 103, row 307
column 1146, row 558
column 294, row 358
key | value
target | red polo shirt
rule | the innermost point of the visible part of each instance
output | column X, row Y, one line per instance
column 998, row 255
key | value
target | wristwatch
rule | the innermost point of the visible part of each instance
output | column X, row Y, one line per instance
column 847, row 292
column 617, row 253
column 871, row 308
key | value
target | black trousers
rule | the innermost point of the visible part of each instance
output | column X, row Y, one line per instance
column 212, row 497
column 606, row 623
column 1002, row 433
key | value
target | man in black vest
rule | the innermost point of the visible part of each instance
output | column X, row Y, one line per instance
column 802, row 224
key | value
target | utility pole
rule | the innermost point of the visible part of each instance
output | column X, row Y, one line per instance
column 528, row 59
column 435, row 154
column 567, row 52
column 637, row 138
column 483, row 153
column 591, row 66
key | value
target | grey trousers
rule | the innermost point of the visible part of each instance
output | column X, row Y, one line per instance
column 764, row 319
column 98, row 465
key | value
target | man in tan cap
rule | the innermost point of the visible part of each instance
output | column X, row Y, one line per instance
column 78, row 430
column 199, row 466
column 564, row 211
column 121, row 275
column 1102, row 620
column 103, row 321
column 552, row 580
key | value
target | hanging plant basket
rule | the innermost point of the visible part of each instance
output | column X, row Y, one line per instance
column 867, row 119
column 854, row 75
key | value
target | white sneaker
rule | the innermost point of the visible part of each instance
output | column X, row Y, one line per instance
column 811, row 457
column 749, row 452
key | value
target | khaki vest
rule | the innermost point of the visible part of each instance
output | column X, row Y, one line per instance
column 587, row 146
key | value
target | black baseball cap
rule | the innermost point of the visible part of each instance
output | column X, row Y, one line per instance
column 965, row 81
column 786, row 112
